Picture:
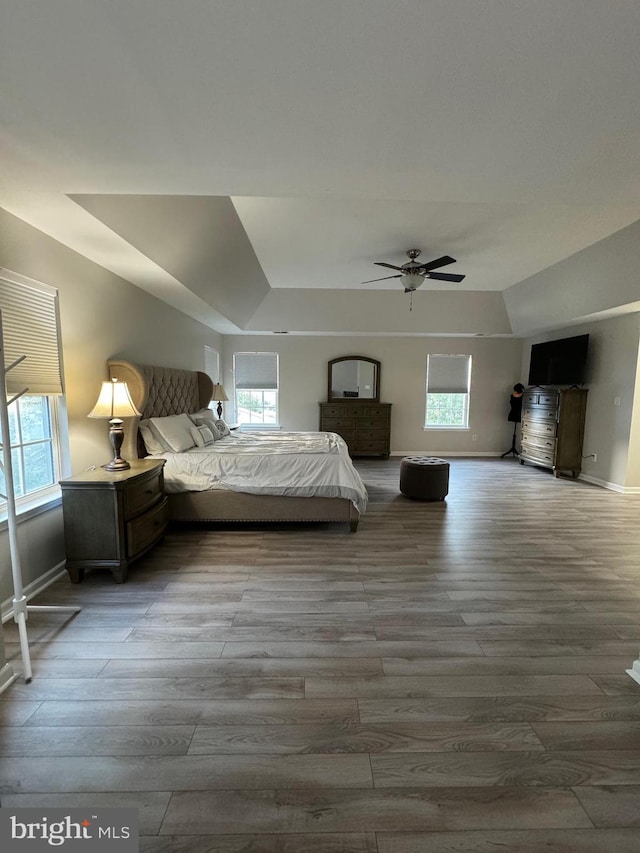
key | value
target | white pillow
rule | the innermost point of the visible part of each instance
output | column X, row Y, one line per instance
column 205, row 417
column 222, row 428
column 202, row 435
column 175, row 431
column 152, row 441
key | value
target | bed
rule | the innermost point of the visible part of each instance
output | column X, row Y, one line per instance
column 159, row 392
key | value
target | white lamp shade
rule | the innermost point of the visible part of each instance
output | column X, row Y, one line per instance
column 219, row 393
column 412, row 280
column 114, row 401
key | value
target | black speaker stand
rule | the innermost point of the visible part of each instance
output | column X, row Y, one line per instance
column 512, row 450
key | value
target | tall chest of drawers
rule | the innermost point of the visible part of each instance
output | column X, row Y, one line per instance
column 364, row 425
column 553, row 428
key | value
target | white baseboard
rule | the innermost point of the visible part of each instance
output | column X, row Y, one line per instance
column 613, row 487
column 34, row 588
column 444, row 454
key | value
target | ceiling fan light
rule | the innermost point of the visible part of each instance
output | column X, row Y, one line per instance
column 412, row 280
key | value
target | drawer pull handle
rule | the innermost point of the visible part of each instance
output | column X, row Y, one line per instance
column 148, row 491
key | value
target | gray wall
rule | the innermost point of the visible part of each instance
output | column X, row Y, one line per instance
column 101, row 315
column 303, row 383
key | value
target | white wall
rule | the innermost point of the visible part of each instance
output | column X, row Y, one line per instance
column 612, row 364
column 101, row 316
column 303, row 383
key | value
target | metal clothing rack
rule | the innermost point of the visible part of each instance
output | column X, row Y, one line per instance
column 20, row 607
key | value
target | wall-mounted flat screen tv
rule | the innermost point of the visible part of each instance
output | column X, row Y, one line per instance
column 560, row 362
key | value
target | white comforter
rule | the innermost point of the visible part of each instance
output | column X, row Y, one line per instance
column 301, row 464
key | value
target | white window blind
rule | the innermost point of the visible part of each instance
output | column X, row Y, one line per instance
column 448, row 374
column 30, row 327
column 256, row 371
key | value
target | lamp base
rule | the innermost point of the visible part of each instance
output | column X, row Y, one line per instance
column 219, row 409
column 117, row 464
column 116, row 437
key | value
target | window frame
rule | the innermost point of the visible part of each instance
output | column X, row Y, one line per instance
column 466, row 395
column 24, row 305
column 276, row 391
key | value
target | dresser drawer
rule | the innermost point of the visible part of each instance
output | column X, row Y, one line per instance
column 542, row 398
column 142, row 493
column 380, row 413
column 337, row 424
column 539, row 413
column 546, row 444
column 536, row 454
column 145, row 529
column 538, row 427
column 365, row 434
column 549, row 398
column 338, row 411
column 370, row 446
column 349, row 435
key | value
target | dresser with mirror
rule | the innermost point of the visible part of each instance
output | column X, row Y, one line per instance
column 353, row 408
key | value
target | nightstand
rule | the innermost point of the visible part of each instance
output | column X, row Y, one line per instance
column 113, row 517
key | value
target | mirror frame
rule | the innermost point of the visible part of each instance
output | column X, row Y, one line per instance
column 376, row 396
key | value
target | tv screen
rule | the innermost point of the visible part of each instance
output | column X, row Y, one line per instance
column 560, row 362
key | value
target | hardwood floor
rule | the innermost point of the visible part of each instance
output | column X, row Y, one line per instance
column 450, row 678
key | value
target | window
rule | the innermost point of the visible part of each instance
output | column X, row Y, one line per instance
column 256, row 388
column 447, row 393
column 212, row 364
column 29, row 326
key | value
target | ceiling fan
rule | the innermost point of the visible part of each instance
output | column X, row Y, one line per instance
column 414, row 273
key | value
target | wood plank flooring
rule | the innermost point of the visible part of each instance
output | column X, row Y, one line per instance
column 450, row 678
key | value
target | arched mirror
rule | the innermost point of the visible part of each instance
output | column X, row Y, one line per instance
column 354, row 377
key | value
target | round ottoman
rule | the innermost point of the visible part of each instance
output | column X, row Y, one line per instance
column 424, row 478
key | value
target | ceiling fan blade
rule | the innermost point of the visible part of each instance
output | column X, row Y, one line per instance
column 384, row 278
column 439, row 262
column 391, row 266
column 443, row 276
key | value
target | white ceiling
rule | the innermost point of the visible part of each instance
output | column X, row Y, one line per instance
column 502, row 132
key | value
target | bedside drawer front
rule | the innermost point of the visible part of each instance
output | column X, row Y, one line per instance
column 142, row 493
column 145, row 529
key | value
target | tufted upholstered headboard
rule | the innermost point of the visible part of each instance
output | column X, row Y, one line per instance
column 158, row 392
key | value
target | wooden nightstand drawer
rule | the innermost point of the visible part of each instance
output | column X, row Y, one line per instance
column 141, row 494
column 144, row 530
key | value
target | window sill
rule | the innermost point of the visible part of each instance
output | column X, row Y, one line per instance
column 30, row 507
column 251, row 427
column 455, row 428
